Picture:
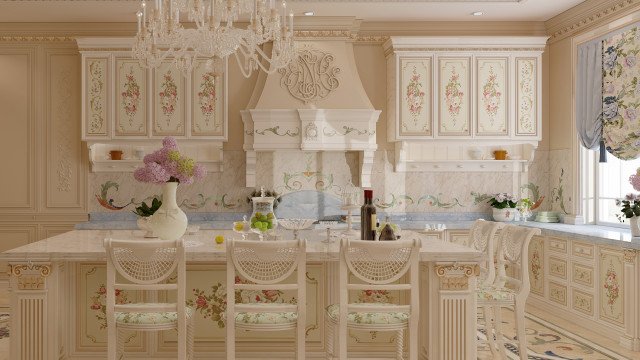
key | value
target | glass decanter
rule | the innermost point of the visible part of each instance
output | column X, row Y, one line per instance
column 263, row 219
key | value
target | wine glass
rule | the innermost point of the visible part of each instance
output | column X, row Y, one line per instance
column 242, row 227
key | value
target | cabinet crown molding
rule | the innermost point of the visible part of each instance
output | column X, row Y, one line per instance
column 464, row 43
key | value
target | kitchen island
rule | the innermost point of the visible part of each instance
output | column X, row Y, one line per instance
column 58, row 296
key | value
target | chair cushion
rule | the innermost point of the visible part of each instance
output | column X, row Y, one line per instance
column 150, row 318
column 493, row 293
column 369, row 318
column 266, row 317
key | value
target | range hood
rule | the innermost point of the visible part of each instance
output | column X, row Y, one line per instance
column 316, row 103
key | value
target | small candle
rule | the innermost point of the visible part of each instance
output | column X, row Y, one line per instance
column 139, row 14
column 144, row 12
column 291, row 22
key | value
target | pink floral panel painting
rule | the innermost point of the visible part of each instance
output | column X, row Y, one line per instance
column 454, row 97
column 208, row 101
column 131, row 103
column 168, row 101
column 491, row 90
column 415, row 96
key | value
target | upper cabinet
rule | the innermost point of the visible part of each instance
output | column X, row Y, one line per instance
column 128, row 107
column 444, row 91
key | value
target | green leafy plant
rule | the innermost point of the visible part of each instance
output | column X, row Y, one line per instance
column 630, row 207
column 145, row 211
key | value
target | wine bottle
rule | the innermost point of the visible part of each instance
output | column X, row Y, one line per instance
column 367, row 217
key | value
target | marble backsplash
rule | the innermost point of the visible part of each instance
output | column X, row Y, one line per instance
column 330, row 173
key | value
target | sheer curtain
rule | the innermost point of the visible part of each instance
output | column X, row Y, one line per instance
column 589, row 94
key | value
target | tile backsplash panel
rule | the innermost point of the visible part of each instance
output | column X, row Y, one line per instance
column 330, row 172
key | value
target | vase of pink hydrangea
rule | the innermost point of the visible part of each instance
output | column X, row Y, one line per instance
column 169, row 168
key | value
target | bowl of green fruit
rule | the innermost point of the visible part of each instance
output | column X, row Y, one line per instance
column 262, row 223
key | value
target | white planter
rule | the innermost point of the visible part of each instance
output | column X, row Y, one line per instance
column 504, row 215
column 169, row 222
column 634, row 224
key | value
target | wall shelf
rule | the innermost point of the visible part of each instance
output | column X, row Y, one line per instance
column 209, row 154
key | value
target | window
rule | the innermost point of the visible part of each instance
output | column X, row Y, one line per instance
column 602, row 184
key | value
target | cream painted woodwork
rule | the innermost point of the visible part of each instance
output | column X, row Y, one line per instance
column 445, row 90
column 458, row 236
column 46, row 190
column 594, row 286
column 62, row 301
column 536, row 265
column 130, row 108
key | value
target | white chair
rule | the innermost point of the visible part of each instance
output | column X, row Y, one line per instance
column 145, row 266
column 266, row 265
column 482, row 238
column 508, row 291
column 379, row 265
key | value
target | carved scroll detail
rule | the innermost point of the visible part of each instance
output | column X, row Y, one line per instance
column 311, row 76
column 456, row 277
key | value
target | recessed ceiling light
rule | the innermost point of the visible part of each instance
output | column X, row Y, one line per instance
column 309, row 13
column 477, row 13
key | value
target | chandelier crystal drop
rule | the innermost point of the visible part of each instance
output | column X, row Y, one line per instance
column 266, row 43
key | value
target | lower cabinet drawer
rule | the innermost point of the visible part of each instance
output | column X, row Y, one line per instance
column 558, row 293
column 582, row 274
column 558, row 267
column 582, row 302
column 558, row 245
column 582, row 250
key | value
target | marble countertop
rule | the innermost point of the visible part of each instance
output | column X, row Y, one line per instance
column 606, row 235
column 86, row 245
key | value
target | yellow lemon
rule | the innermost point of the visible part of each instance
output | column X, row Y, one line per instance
column 238, row 226
column 219, row 239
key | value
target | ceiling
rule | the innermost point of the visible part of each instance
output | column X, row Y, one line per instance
column 368, row 10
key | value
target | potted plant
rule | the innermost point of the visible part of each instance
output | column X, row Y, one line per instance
column 630, row 209
column 524, row 207
column 504, row 207
column 144, row 212
column 168, row 167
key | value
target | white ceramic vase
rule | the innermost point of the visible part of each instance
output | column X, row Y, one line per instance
column 169, row 222
column 504, row 215
column 634, row 224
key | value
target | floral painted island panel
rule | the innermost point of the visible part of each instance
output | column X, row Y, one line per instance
column 611, row 286
column 454, row 91
column 131, row 98
column 491, row 99
column 207, row 101
column 96, row 83
column 168, row 101
column 620, row 92
column 526, row 96
column 415, row 96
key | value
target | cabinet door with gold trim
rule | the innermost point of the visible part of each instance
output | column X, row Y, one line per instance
column 415, row 113
column 131, row 99
column 536, row 265
column 169, row 99
column 96, row 84
column 611, row 286
column 209, row 101
column 492, row 96
column 454, row 100
column 526, row 97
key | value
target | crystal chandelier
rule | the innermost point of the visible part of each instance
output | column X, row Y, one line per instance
column 211, row 34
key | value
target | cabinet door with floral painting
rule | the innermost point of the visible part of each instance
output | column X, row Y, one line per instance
column 208, row 101
column 536, row 265
column 491, row 96
column 131, row 98
column 415, row 95
column 454, row 89
column 611, row 284
column 169, row 99
column 526, row 96
column 96, row 121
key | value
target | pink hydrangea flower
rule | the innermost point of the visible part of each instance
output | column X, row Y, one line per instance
column 167, row 164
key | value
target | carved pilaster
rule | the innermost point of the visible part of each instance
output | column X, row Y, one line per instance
column 30, row 276
column 456, row 276
column 630, row 255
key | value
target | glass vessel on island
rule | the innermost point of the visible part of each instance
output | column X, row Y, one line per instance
column 368, row 217
column 263, row 219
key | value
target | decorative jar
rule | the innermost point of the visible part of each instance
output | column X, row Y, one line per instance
column 169, row 222
column 263, row 219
